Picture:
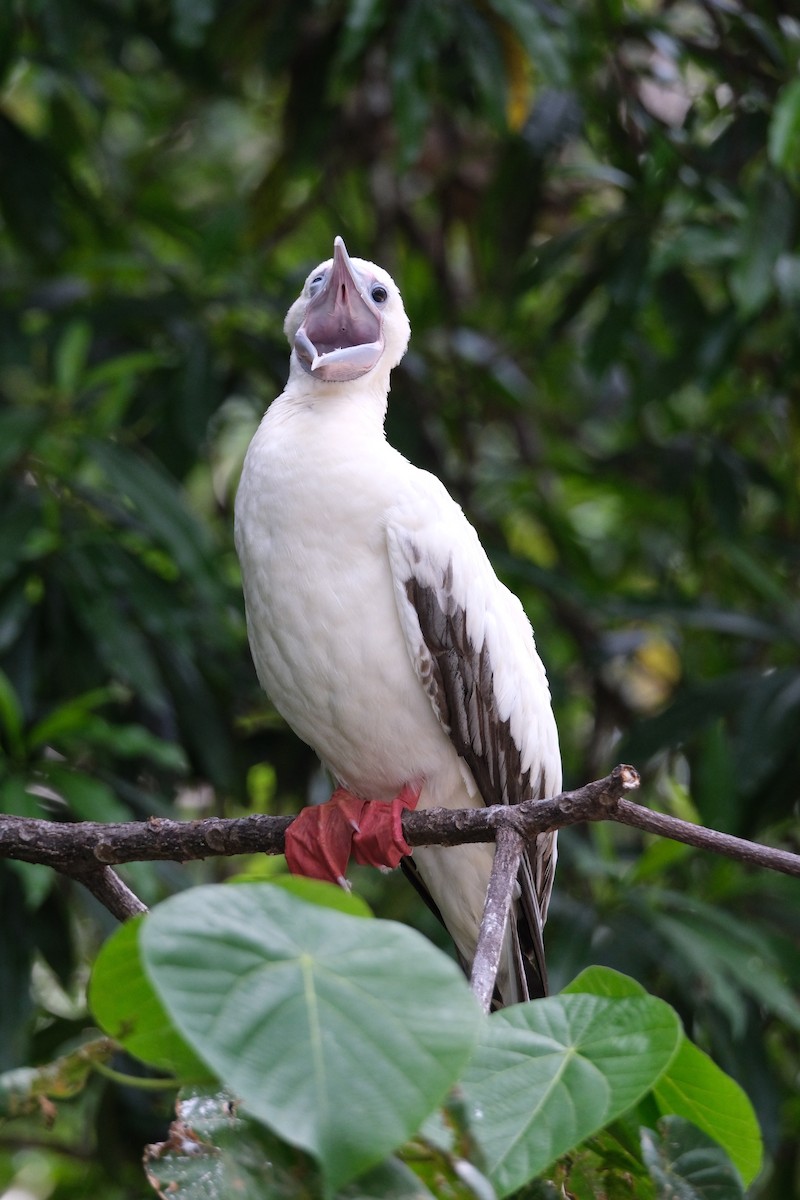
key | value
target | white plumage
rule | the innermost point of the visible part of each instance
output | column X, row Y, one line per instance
column 377, row 624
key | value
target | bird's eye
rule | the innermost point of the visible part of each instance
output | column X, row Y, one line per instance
column 379, row 294
column 316, row 283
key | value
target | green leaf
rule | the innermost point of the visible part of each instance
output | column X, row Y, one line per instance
column 608, row 1165
column 37, row 881
column 548, row 1074
column 729, row 961
column 89, row 799
column 393, row 1179
column 340, row 1034
column 134, row 741
column 314, row 891
column 421, row 29
column 450, row 1152
column 70, row 716
column 686, row 1165
column 71, row 354
column 784, row 129
column 362, row 20
column 764, row 236
column 11, row 717
column 20, row 533
column 15, row 798
column 693, row 1086
column 22, row 1090
column 603, row 981
column 19, row 428
column 771, row 714
column 107, row 624
column 123, row 367
column 67, row 728
column 125, row 1006
column 161, row 507
column 543, row 48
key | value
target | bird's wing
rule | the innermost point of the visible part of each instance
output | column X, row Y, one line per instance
column 473, row 650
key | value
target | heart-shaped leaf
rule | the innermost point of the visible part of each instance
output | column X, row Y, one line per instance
column 340, row 1034
column 316, row 892
column 548, row 1074
column 125, row 1006
column 693, row 1086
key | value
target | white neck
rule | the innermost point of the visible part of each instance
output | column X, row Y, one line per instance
column 361, row 403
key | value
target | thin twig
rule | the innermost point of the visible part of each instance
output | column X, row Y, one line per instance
column 112, row 892
column 508, row 852
column 753, row 853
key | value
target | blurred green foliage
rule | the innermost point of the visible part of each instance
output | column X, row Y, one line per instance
column 592, row 211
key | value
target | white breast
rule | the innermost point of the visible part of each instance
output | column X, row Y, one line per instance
column 322, row 615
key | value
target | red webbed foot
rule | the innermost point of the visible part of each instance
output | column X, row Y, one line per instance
column 380, row 841
column 321, row 837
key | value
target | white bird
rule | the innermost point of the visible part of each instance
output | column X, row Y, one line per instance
column 379, row 628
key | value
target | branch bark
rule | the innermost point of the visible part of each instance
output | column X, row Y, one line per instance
column 107, row 887
column 509, row 849
column 83, row 850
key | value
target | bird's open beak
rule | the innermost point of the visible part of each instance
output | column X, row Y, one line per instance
column 341, row 337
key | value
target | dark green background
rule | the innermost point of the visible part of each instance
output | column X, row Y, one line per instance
column 592, row 212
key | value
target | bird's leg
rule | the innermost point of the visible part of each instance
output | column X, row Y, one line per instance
column 380, row 841
column 320, row 838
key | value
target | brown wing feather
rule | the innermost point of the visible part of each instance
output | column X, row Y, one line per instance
column 461, row 687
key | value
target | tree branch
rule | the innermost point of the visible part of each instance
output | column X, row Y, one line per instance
column 595, row 801
column 754, row 853
column 107, row 887
column 509, row 849
column 91, row 844
column 86, row 849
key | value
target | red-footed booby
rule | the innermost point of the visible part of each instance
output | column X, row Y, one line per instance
column 379, row 629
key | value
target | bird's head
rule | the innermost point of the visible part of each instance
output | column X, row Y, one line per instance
column 348, row 320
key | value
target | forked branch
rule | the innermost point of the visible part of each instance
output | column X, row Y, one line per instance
column 88, row 850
